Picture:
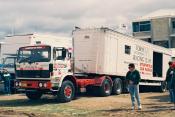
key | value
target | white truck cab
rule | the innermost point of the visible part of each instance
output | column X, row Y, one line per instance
column 42, row 67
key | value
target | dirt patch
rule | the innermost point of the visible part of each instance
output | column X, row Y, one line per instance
column 154, row 105
column 12, row 113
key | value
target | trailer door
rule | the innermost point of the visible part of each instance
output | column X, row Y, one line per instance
column 157, row 64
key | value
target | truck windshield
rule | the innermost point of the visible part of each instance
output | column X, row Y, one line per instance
column 34, row 54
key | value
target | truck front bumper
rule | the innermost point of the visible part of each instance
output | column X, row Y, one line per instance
column 33, row 84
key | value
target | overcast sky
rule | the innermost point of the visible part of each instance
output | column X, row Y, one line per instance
column 61, row 16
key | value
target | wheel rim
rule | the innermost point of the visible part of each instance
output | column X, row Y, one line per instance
column 163, row 86
column 118, row 87
column 107, row 87
column 68, row 91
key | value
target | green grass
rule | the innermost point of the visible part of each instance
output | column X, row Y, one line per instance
column 46, row 106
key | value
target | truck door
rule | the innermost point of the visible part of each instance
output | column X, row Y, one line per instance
column 61, row 62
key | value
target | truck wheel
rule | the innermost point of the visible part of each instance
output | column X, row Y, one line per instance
column 66, row 92
column 106, row 88
column 33, row 95
column 163, row 87
column 117, row 86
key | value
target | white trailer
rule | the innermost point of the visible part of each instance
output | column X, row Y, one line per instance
column 98, row 63
column 104, row 51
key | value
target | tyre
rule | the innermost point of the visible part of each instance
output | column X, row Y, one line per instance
column 105, row 89
column 33, row 95
column 66, row 92
column 117, row 86
column 163, row 87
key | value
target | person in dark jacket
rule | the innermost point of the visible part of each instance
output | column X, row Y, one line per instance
column 172, row 86
column 133, row 79
column 169, row 75
column 6, row 77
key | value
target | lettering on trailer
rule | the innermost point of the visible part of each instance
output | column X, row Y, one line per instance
column 146, row 68
column 143, row 55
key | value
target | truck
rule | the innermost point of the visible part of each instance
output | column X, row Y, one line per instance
column 95, row 61
column 10, row 46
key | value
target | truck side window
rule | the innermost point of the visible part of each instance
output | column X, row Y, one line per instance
column 127, row 49
column 60, row 54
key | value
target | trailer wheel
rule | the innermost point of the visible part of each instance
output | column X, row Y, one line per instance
column 66, row 92
column 117, row 86
column 106, row 88
column 33, row 95
column 163, row 87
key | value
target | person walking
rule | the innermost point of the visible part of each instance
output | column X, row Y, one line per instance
column 169, row 75
column 6, row 77
column 133, row 79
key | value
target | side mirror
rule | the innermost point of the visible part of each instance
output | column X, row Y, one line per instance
column 54, row 53
column 50, row 67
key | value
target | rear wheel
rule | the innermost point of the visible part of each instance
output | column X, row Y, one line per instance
column 33, row 95
column 117, row 86
column 106, row 88
column 66, row 92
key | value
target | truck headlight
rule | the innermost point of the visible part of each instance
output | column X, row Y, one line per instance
column 40, row 84
column 45, row 85
column 16, row 84
column 19, row 84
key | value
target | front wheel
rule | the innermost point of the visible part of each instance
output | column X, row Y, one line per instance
column 33, row 95
column 66, row 92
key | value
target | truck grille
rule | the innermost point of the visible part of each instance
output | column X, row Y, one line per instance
column 33, row 73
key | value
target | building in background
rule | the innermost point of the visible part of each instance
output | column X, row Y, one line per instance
column 157, row 27
column 1, row 50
